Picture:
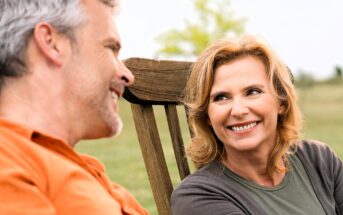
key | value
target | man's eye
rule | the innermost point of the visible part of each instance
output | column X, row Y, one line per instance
column 113, row 48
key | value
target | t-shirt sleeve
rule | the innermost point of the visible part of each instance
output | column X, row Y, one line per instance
column 329, row 169
column 190, row 200
column 338, row 182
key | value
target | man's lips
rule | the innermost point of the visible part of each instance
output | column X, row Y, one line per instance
column 117, row 91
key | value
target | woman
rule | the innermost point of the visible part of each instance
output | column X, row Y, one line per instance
column 245, row 121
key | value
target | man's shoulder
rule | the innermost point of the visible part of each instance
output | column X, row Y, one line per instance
column 18, row 151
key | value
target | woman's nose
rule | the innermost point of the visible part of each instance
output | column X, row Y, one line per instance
column 239, row 108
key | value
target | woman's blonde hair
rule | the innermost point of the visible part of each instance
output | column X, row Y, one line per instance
column 205, row 146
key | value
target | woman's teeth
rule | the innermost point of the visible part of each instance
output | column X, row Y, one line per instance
column 243, row 127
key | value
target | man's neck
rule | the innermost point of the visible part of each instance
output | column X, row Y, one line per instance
column 35, row 104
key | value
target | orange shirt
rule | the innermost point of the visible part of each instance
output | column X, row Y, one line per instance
column 43, row 175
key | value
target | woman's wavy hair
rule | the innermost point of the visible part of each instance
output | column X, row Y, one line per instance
column 205, row 147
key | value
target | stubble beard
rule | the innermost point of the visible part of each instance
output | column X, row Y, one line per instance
column 116, row 127
column 113, row 122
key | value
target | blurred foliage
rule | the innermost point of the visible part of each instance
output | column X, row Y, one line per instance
column 338, row 72
column 215, row 19
column 331, row 81
column 304, row 79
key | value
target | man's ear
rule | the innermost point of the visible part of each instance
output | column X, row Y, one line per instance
column 50, row 42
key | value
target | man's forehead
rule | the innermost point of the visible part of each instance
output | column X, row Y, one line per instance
column 109, row 3
column 101, row 21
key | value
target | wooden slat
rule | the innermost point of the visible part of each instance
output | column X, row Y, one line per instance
column 189, row 128
column 153, row 156
column 156, row 81
column 176, row 137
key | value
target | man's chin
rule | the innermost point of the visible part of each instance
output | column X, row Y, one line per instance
column 116, row 127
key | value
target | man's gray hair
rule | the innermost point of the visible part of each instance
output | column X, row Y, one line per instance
column 18, row 19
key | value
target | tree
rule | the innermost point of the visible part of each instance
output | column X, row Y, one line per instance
column 338, row 72
column 215, row 20
column 304, row 79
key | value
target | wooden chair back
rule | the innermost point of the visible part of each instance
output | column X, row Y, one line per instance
column 158, row 83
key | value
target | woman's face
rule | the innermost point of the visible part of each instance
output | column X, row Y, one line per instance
column 242, row 110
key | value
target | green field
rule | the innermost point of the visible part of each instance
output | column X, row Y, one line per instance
column 321, row 104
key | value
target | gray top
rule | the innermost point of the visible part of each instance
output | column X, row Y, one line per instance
column 210, row 191
column 294, row 195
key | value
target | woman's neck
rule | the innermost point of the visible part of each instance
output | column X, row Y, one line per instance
column 254, row 168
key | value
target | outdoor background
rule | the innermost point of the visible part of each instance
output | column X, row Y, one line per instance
column 321, row 104
column 306, row 34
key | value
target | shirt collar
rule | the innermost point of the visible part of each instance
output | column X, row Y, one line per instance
column 47, row 141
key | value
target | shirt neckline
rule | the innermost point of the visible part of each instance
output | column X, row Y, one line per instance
column 245, row 182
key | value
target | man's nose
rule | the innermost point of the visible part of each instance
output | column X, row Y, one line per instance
column 125, row 75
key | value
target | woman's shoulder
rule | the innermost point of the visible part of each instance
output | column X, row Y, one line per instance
column 317, row 155
column 209, row 191
column 208, row 180
column 205, row 175
column 313, row 148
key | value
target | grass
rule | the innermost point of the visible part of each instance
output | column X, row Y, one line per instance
column 321, row 104
column 322, row 108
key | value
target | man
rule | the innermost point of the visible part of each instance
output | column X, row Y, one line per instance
column 60, row 79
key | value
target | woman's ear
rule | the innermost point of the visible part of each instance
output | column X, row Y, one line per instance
column 208, row 121
column 282, row 109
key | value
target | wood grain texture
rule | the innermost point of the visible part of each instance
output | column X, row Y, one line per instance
column 156, row 81
column 153, row 155
column 176, row 137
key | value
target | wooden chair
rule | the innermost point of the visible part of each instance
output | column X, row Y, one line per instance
column 158, row 83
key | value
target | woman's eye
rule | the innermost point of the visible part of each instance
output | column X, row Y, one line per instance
column 219, row 98
column 254, row 91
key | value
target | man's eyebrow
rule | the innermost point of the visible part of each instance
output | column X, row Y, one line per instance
column 114, row 42
column 110, row 3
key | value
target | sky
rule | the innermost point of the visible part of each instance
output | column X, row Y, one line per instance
column 306, row 34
